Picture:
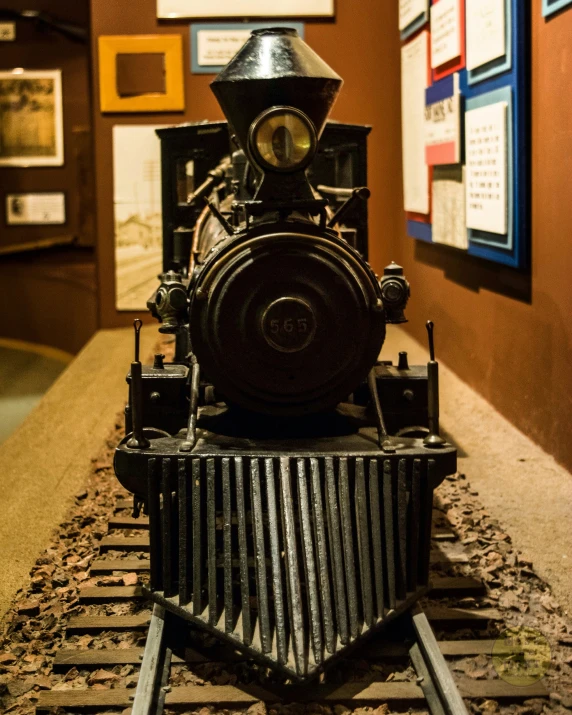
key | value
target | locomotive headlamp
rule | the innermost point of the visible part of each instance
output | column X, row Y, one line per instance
column 170, row 303
column 283, row 139
column 394, row 293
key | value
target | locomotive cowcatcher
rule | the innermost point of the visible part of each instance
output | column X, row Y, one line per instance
column 288, row 474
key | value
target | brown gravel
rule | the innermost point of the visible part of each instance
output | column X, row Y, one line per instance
column 33, row 629
column 512, row 587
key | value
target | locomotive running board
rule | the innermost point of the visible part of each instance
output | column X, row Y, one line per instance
column 292, row 559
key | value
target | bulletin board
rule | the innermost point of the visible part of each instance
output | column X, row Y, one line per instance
column 466, row 133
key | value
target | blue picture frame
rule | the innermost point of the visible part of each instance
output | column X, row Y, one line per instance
column 500, row 64
column 196, row 27
column 549, row 7
column 511, row 85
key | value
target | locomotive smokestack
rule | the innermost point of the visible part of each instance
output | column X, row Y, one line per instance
column 275, row 68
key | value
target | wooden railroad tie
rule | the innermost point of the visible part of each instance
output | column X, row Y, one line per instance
column 351, row 693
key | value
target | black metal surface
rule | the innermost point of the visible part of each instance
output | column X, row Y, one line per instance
column 275, row 68
column 433, row 439
column 303, row 554
column 191, row 437
column 315, row 289
column 203, row 143
column 165, row 402
column 281, row 520
column 137, row 439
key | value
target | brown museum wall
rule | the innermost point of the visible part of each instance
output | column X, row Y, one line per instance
column 52, row 293
column 358, row 45
column 508, row 336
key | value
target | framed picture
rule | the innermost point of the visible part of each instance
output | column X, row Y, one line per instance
column 31, row 118
column 167, row 50
column 549, row 7
column 138, row 213
column 214, row 45
column 246, row 8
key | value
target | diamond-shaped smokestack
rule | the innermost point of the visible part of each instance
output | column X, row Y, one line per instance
column 275, row 68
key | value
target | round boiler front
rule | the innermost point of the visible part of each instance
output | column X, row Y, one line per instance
column 286, row 323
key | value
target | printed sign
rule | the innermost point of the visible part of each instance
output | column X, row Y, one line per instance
column 410, row 10
column 445, row 32
column 245, row 8
column 41, row 208
column 213, row 46
column 414, row 69
column 486, row 150
column 486, row 31
column 443, row 122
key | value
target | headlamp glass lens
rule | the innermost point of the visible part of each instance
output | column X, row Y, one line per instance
column 284, row 140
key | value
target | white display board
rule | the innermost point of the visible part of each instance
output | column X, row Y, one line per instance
column 244, row 8
column 486, row 31
column 410, row 10
column 446, row 32
column 487, row 168
column 414, row 57
column 39, row 208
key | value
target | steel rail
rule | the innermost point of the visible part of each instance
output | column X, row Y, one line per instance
column 433, row 674
column 435, row 678
column 152, row 683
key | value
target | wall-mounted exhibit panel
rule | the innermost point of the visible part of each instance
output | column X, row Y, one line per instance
column 170, row 9
column 121, row 91
column 465, row 87
column 31, row 111
column 138, row 214
column 213, row 45
column 413, row 14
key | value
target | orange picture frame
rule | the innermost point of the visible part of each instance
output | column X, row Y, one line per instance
column 171, row 46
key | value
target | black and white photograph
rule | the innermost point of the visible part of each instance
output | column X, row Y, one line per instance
column 31, row 118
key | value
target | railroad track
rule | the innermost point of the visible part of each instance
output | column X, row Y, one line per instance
column 411, row 641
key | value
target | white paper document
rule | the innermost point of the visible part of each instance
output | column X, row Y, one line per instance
column 486, row 31
column 445, row 32
column 216, row 48
column 443, row 124
column 486, row 154
column 41, row 208
column 413, row 85
column 410, row 10
column 244, row 8
column 449, row 224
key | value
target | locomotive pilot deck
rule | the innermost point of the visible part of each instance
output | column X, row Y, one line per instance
column 243, row 530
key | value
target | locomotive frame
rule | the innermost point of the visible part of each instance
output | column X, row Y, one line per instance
column 288, row 475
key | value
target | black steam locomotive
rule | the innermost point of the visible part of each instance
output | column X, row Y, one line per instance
column 288, row 475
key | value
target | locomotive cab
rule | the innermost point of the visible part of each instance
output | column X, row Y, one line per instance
column 287, row 473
